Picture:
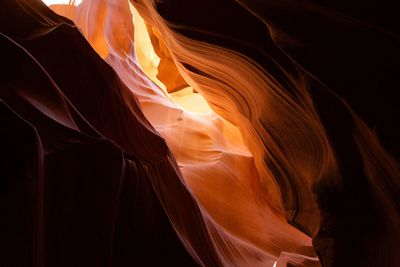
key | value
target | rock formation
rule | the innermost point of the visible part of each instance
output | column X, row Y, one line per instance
column 211, row 133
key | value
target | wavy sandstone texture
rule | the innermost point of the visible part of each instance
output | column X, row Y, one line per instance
column 199, row 133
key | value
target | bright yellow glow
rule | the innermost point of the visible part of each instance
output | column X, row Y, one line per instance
column 146, row 56
column 191, row 101
column 62, row 2
column 149, row 62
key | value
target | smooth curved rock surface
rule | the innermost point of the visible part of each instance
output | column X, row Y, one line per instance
column 293, row 154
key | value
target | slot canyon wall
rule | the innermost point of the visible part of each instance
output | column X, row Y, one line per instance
column 199, row 133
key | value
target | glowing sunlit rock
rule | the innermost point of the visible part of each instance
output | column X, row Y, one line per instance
column 212, row 155
column 62, row 2
column 255, row 140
